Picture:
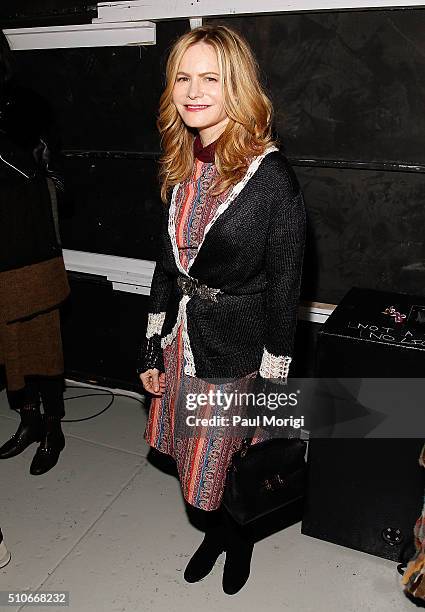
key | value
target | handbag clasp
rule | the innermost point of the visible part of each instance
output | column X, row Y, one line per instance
column 274, row 483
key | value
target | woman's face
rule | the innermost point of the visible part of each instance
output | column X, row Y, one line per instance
column 197, row 92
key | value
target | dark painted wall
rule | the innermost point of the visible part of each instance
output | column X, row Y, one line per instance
column 105, row 102
column 346, row 85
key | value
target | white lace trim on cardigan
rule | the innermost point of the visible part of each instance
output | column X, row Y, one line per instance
column 172, row 230
column 166, row 340
column 274, row 366
column 189, row 368
column 155, row 323
column 182, row 316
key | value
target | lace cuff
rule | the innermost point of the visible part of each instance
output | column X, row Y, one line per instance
column 155, row 323
column 274, row 366
column 151, row 355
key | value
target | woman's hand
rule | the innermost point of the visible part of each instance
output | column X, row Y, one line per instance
column 153, row 381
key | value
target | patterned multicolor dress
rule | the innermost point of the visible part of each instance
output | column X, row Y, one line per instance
column 202, row 457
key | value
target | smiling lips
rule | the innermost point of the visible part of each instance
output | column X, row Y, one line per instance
column 195, row 107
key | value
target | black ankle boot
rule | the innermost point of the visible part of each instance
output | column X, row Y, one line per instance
column 204, row 558
column 239, row 549
column 30, row 430
column 47, row 454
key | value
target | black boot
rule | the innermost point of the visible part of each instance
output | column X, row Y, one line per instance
column 239, row 547
column 51, row 391
column 204, row 558
column 52, row 443
column 30, row 430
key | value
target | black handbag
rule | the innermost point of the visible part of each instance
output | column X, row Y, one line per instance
column 264, row 477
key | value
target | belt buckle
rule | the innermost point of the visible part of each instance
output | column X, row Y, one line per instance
column 190, row 286
column 187, row 285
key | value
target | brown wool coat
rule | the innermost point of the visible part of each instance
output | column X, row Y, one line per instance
column 30, row 340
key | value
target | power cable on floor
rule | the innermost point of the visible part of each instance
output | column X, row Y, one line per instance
column 110, row 394
column 106, row 393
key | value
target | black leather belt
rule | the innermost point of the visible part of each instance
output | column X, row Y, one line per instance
column 191, row 286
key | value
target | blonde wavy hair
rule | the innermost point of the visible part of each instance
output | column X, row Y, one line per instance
column 248, row 131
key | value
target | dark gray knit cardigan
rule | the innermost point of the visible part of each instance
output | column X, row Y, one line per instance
column 252, row 252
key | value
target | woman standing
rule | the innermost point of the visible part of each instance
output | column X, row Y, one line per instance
column 33, row 281
column 225, row 290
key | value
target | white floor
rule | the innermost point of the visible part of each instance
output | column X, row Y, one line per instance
column 111, row 529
